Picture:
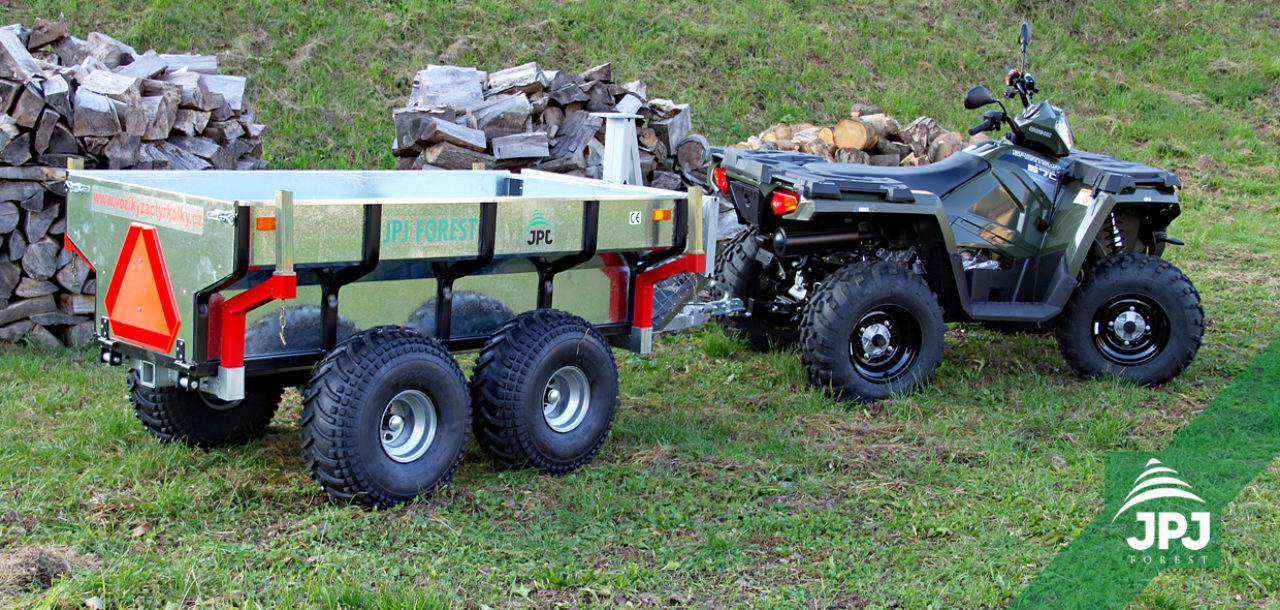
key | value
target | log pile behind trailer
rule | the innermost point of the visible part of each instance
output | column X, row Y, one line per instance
column 868, row 136
column 525, row 116
column 100, row 102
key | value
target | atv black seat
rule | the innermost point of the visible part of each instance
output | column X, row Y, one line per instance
column 938, row 178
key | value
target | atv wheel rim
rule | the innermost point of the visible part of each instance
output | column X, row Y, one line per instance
column 1130, row 329
column 884, row 344
column 408, row 426
column 566, row 398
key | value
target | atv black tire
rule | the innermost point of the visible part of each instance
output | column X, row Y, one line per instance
column 545, row 391
column 200, row 420
column 474, row 315
column 740, row 272
column 1135, row 316
column 302, row 331
column 873, row 329
column 384, row 417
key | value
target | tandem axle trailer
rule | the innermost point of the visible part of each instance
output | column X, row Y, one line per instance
column 223, row 288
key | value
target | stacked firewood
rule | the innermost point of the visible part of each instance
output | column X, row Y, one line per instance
column 100, row 102
column 525, row 116
column 868, row 136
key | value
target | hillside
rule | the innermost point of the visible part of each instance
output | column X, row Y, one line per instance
column 728, row 481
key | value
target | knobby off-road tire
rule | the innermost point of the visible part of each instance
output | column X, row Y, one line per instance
column 473, row 315
column 545, row 390
column 302, row 331
column 384, row 417
column 1135, row 316
column 738, row 270
column 200, row 420
column 872, row 330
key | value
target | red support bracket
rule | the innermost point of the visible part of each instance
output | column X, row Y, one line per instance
column 228, row 332
column 642, row 317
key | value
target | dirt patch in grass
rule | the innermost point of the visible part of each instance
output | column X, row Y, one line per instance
column 37, row 567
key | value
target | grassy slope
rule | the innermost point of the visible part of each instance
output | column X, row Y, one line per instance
column 758, row 490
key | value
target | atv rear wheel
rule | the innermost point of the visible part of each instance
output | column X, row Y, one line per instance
column 1136, row 316
column 873, row 329
column 742, row 274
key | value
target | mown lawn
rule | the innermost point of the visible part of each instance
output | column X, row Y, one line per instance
column 728, row 481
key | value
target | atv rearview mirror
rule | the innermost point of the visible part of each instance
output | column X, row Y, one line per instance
column 978, row 97
column 1024, row 38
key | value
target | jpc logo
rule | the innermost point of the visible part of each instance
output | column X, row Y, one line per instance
column 1167, row 536
column 537, row 236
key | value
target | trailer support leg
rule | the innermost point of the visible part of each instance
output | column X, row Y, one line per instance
column 231, row 321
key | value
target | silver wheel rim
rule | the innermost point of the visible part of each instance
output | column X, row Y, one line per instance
column 566, row 399
column 408, row 426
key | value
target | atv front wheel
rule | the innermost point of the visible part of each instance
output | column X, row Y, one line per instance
column 872, row 330
column 766, row 327
column 1136, row 316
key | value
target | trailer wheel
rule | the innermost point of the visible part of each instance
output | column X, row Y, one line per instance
column 474, row 315
column 200, row 420
column 738, row 269
column 384, row 417
column 545, row 389
column 872, row 330
column 1135, row 316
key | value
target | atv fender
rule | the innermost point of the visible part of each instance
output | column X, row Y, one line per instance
column 1161, row 207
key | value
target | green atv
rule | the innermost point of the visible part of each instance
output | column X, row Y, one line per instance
column 862, row 265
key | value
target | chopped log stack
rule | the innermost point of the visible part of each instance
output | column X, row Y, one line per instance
column 868, row 136
column 525, row 116
column 99, row 101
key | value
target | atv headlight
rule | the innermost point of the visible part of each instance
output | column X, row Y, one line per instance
column 1063, row 127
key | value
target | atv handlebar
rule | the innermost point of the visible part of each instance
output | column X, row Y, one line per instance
column 985, row 125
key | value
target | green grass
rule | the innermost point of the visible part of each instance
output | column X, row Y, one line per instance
column 728, row 481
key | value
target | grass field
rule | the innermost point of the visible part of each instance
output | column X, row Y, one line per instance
column 728, row 480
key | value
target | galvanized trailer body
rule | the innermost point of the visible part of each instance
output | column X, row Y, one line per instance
column 184, row 258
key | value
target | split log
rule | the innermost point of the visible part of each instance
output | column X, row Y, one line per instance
column 15, row 331
column 231, row 88
column 190, row 122
column 161, row 112
column 20, row 310
column 8, row 218
column 148, row 65
column 451, row 156
column 73, row 275
column 81, row 334
column 122, row 151
column 77, row 304
column 195, row 92
column 891, row 147
column 41, row 260
column 9, row 277
column 18, row 151
column 575, row 133
column 458, row 135
column 918, row 134
column 501, row 115
column 110, row 51
column 20, row 189
column 95, row 115
column 40, row 336
column 206, row 64
column 71, row 50
column 15, row 61
column 522, row 145
column 29, row 287
column 602, row 72
column 44, row 33
column 910, row 160
column 859, row 109
column 9, row 92
column 945, row 145
column 889, row 160
column 44, row 130
column 17, row 246
column 37, row 223
column 524, row 78
column 692, row 158
column 447, row 87
column 852, row 155
column 675, row 128
column 26, row 112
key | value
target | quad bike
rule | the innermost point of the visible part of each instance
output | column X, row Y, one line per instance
column 861, row 265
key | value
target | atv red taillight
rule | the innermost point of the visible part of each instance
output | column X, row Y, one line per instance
column 722, row 179
column 784, row 202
